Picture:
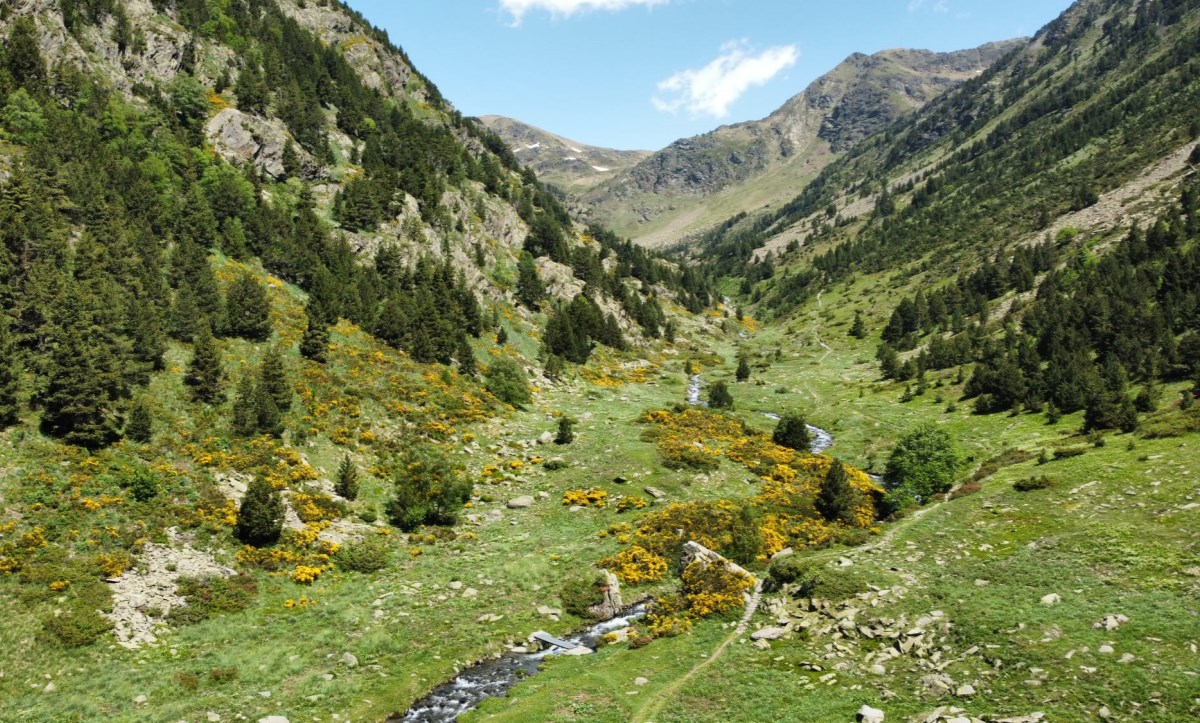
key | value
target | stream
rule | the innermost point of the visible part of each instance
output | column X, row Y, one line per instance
column 821, row 440
column 493, row 678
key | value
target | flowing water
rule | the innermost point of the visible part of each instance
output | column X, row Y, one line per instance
column 821, row 440
column 494, row 678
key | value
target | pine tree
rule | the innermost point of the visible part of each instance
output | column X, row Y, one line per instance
column 274, row 379
column 792, row 432
column 140, row 427
column 184, row 315
column 835, row 501
column 10, row 377
column 346, row 485
column 530, row 290
column 743, row 369
column 566, row 430
column 23, row 56
column 247, row 309
column 260, row 517
column 858, row 329
column 466, row 358
column 204, row 374
column 314, row 345
column 82, row 379
column 251, row 90
column 502, row 337
column 245, row 413
column 554, row 368
column 719, row 396
column 270, row 420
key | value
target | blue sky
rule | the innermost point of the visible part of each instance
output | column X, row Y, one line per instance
column 642, row 73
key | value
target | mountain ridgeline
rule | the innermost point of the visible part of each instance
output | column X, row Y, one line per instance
column 1092, row 121
column 677, row 192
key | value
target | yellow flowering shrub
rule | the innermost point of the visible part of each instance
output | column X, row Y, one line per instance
column 632, row 503
column 306, row 575
column 713, row 589
column 585, row 498
column 636, row 564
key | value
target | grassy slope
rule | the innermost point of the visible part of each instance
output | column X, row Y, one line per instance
column 1121, row 545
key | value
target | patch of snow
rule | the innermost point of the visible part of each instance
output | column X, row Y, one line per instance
column 601, row 169
column 574, row 149
column 570, row 158
column 533, row 147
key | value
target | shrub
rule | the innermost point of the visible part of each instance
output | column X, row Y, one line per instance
column 210, row 596
column 428, row 491
column 924, row 462
column 77, row 627
column 566, row 430
column 370, row 555
column 969, row 488
column 1033, row 483
column 1068, row 452
column 143, row 484
column 582, row 592
column 506, row 381
column 636, row 564
column 555, row 464
column 815, row 579
column 713, row 589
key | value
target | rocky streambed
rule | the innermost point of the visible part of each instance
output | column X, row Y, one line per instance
column 821, row 439
column 493, row 678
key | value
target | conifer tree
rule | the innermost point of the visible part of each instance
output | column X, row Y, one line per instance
column 140, row 427
column 184, row 315
column 245, row 412
column 260, row 517
column 274, row 379
column 835, row 501
column 502, row 337
column 858, row 329
column 530, row 290
column 346, row 484
column 204, row 373
column 743, row 369
column 247, row 309
column 10, row 377
column 251, row 90
column 266, row 412
column 82, row 380
column 792, row 432
column 554, row 368
column 719, row 396
column 566, row 430
column 23, row 55
column 466, row 358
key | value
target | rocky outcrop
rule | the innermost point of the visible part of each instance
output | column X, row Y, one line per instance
column 143, row 597
column 612, row 605
column 695, row 552
column 240, row 137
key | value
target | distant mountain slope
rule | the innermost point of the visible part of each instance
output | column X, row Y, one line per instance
column 568, row 164
column 695, row 182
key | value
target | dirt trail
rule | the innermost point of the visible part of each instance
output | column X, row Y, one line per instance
column 664, row 696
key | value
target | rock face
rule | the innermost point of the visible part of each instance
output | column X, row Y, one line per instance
column 695, row 552
column 239, row 137
column 612, row 604
column 143, row 597
column 860, row 97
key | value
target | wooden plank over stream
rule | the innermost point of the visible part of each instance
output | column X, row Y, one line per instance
column 549, row 639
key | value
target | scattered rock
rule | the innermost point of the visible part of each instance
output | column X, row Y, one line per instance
column 581, row 650
column 965, row 691
column 769, row 633
column 867, row 714
column 782, row 553
column 456, row 585
column 612, row 604
column 548, row 611
column 1105, row 650
column 520, row 503
column 656, row 493
column 640, row 681
column 349, row 660
column 937, row 683
column 1052, row 599
column 273, row 719
column 1111, row 622
column 546, row 438
column 140, row 700
column 762, row 644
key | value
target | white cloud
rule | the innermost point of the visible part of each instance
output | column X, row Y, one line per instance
column 711, row 90
column 563, row 8
column 929, row 6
